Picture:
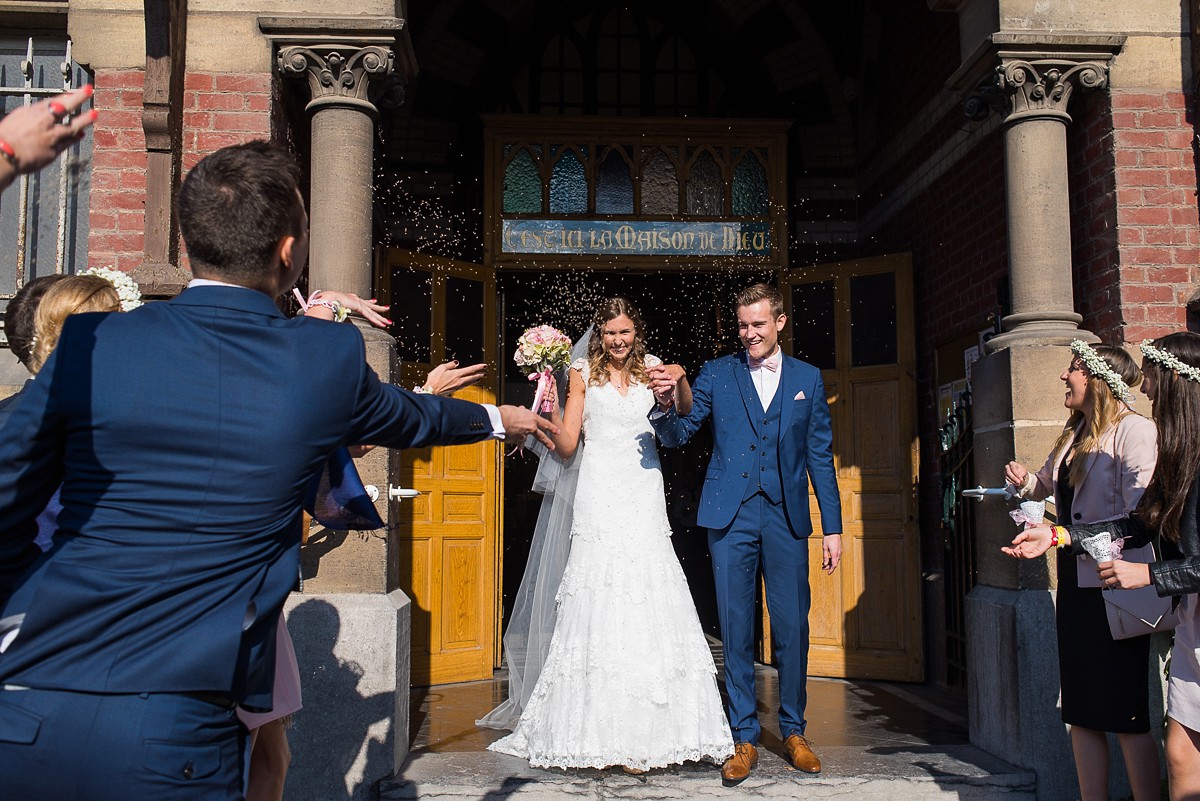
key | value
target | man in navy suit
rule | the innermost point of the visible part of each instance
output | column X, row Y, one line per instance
column 184, row 435
column 771, row 435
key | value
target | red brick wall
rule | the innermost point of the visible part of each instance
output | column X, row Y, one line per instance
column 1158, row 228
column 219, row 109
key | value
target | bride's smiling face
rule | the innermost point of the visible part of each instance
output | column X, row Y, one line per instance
column 617, row 336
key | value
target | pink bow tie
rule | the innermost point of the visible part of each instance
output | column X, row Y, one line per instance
column 768, row 362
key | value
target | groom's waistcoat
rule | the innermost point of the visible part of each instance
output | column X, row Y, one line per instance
column 765, row 477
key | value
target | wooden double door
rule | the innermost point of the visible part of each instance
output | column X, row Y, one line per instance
column 853, row 320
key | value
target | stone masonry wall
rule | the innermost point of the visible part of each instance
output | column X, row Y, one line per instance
column 219, row 110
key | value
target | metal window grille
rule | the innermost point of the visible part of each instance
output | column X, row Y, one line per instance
column 43, row 219
column 957, row 441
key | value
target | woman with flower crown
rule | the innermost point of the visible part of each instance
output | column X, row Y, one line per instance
column 628, row 678
column 1168, row 512
column 1098, row 470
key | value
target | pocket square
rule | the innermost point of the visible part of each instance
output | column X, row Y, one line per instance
column 799, row 395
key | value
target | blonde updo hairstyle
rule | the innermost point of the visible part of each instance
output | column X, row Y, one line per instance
column 74, row 294
column 634, row 370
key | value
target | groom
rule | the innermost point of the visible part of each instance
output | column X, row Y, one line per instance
column 771, row 435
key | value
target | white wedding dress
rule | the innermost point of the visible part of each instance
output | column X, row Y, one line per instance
column 629, row 679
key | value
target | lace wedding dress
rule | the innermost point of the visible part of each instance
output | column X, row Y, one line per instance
column 629, row 679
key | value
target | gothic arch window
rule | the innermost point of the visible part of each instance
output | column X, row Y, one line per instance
column 616, row 61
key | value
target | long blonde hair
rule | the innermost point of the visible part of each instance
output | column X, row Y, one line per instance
column 634, row 370
column 1107, row 408
column 74, row 294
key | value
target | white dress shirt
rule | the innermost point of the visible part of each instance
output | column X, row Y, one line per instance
column 766, row 381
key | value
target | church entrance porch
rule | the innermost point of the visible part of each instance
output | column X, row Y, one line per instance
column 876, row 739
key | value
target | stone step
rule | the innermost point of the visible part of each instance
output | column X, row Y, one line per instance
column 897, row 771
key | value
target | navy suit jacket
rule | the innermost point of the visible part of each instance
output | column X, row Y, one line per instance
column 184, row 435
column 724, row 392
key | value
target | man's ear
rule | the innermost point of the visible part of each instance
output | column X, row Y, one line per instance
column 283, row 252
column 780, row 322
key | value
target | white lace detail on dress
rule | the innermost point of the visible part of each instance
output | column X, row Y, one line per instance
column 629, row 679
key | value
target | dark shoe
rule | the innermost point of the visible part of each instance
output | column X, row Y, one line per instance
column 738, row 766
column 801, row 755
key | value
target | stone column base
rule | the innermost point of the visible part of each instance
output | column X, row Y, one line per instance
column 1013, row 694
column 353, row 651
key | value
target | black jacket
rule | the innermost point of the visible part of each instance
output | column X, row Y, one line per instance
column 1177, row 571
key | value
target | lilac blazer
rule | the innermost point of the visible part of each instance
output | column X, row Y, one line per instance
column 1117, row 473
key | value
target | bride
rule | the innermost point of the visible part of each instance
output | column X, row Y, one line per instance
column 628, row 678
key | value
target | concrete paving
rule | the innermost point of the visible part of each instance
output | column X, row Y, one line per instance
column 876, row 741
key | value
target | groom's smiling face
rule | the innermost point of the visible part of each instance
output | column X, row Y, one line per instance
column 759, row 329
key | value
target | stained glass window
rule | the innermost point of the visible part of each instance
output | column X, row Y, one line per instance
column 751, row 197
column 660, row 185
column 522, row 185
column 568, row 185
column 705, row 189
column 614, row 185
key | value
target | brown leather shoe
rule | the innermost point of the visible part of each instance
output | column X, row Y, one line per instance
column 801, row 755
column 738, row 766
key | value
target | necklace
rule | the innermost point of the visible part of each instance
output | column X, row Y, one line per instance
column 617, row 377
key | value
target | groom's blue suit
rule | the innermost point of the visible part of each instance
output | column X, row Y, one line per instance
column 184, row 435
column 755, row 506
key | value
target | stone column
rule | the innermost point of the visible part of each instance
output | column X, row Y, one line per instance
column 340, row 79
column 350, row 610
column 1036, row 92
column 1012, row 649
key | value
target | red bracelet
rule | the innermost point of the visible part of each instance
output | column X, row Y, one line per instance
column 1056, row 537
column 7, row 151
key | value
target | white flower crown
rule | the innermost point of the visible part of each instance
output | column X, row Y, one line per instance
column 127, row 289
column 1169, row 361
column 1099, row 368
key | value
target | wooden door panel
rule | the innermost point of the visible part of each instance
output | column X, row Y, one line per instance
column 865, row 620
column 448, row 537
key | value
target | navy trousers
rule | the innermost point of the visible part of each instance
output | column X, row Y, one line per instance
column 68, row 746
column 759, row 534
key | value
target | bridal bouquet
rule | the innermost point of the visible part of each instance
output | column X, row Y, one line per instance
column 540, row 351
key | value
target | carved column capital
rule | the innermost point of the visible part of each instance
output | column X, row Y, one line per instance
column 339, row 74
column 1043, row 88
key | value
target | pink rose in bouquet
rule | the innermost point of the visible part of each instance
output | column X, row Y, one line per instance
column 540, row 351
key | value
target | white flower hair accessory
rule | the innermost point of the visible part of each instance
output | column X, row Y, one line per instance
column 1169, row 361
column 127, row 289
column 1099, row 368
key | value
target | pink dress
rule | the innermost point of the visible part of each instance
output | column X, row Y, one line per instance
column 287, row 682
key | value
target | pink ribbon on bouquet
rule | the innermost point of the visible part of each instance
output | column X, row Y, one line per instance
column 543, row 378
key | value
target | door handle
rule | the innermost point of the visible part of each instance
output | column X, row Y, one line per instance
column 399, row 493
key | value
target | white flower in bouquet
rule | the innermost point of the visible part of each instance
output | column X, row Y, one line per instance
column 127, row 288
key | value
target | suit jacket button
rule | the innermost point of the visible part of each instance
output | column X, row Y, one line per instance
column 753, row 447
column 188, row 771
column 745, row 475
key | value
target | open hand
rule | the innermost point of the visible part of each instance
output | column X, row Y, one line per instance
column 369, row 310
column 1122, row 575
column 520, row 422
column 448, row 378
column 1030, row 543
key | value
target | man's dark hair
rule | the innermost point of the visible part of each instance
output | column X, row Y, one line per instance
column 20, row 314
column 235, row 206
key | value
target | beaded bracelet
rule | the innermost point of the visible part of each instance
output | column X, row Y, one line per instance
column 9, row 154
